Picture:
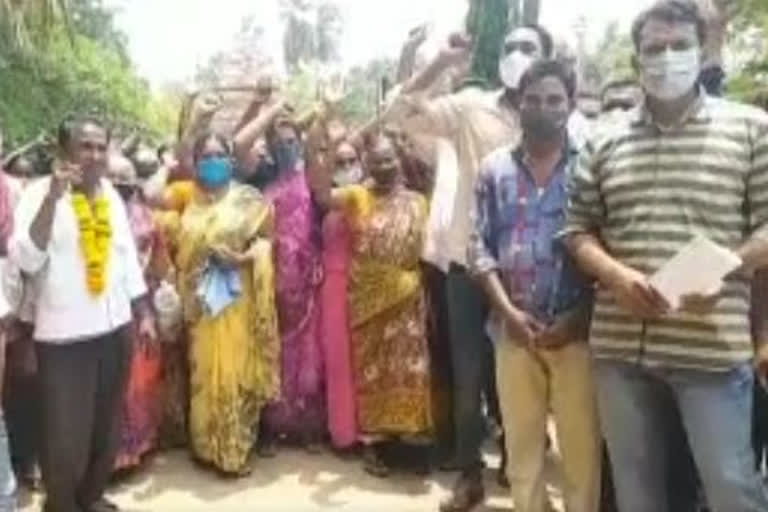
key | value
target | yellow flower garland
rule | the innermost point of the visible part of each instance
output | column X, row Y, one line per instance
column 95, row 239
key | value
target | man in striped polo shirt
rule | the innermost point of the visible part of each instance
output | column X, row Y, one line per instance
column 681, row 165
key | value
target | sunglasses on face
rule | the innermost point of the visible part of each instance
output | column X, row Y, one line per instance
column 346, row 162
column 618, row 105
column 525, row 47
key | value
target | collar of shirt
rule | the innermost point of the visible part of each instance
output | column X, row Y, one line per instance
column 568, row 153
column 697, row 112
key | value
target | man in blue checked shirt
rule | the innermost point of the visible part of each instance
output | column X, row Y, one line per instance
column 541, row 304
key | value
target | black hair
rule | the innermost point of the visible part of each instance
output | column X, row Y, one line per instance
column 10, row 164
column 671, row 11
column 73, row 124
column 547, row 41
column 202, row 140
column 161, row 150
column 545, row 68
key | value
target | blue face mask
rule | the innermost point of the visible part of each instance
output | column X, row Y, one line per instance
column 287, row 155
column 214, row 172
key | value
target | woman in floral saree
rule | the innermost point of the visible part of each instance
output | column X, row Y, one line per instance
column 386, row 303
column 142, row 413
column 234, row 344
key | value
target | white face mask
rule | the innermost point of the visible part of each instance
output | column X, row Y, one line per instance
column 351, row 175
column 513, row 67
column 672, row 74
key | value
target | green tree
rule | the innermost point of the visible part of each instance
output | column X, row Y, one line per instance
column 92, row 19
column 311, row 31
column 748, row 41
column 62, row 64
column 25, row 23
column 612, row 56
column 362, row 88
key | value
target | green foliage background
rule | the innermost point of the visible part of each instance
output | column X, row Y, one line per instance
column 76, row 68
column 751, row 83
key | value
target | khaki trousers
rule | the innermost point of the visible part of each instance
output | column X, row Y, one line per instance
column 531, row 383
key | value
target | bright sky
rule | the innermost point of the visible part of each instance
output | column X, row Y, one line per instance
column 169, row 37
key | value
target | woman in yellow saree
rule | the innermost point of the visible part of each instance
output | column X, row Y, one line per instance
column 387, row 311
column 226, row 282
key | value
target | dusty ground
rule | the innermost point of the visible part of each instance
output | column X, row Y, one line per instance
column 293, row 482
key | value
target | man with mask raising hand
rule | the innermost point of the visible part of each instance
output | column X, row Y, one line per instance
column 540, row 303
column 476, row 123
column 682, row 164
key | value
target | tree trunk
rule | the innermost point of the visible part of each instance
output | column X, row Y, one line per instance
column 515, row 13
column 531, row 9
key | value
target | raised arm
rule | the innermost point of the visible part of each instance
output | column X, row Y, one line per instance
column 255, row 128
column 414, row 108
column 29, row 146
column 320, row 149
column 446, row 59
column 407, row 62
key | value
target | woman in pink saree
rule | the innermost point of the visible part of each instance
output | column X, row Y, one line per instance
column 334, row 325
column 299, row 415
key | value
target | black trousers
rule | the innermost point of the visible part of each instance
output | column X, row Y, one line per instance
column 472, row 359
column 21, row 400
column 441, row 365
column 82, row 387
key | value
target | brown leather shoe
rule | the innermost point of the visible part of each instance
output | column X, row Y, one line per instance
column 468, row 493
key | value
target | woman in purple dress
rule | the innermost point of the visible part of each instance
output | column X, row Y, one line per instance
column 299, row 415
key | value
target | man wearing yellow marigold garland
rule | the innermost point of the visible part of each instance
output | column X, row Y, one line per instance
column 72, row 231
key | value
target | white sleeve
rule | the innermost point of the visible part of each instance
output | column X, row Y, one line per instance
column 22, row 251
column 5, row 304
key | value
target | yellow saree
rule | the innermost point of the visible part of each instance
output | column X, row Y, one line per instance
column 234, row 357
column 387, row 312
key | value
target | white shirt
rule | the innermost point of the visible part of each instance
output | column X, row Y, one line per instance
column 579, row 129
column 476, row 123
column 5, row 304
column 66, row 311
column 439, row 249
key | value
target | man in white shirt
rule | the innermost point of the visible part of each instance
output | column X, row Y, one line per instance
column 72, row 234
column 475, row 123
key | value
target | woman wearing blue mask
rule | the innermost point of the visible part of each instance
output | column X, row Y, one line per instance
column 226, row 283
column 300, row 413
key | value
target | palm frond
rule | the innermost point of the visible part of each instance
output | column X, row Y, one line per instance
column 24, row 23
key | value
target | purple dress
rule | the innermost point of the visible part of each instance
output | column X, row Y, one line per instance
column 301, row 408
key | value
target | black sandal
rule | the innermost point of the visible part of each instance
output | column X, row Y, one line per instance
column 373, row 464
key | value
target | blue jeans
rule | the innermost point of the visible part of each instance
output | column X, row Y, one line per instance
column 636, row 408
column 7, row 478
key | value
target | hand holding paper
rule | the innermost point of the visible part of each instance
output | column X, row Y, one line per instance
column 697, row 270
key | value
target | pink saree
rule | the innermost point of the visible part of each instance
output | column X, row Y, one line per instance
column 301, row 409
column 334, row 333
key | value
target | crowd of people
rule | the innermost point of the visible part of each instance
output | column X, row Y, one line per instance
column 470, row 265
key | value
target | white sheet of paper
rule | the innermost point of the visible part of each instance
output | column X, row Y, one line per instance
column 698, row 268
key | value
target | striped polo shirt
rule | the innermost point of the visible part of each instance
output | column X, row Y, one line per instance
column 646, row 191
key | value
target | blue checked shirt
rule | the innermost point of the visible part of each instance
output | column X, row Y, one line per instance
column 515, row 232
